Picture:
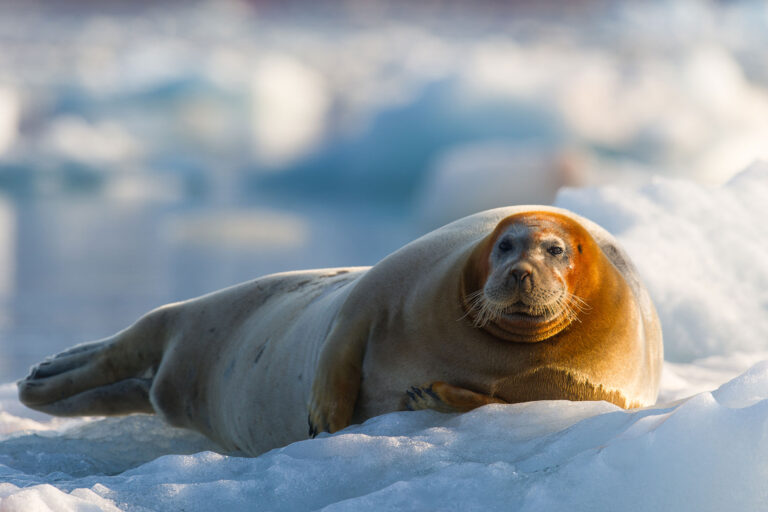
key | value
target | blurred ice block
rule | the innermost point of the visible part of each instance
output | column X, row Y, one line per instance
column 290, row 103
column 692, row 110
column 260, row 230
column 475, row 177
column 7, row 250
column 9, row 118
column 105, row 142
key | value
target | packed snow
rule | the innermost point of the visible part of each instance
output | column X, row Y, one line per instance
column 700, row 249
column 154, row 153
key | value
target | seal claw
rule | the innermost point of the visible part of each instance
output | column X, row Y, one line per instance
column 312, row 431
column 432, row 393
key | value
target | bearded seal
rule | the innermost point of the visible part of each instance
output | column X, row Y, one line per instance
column 508, row 305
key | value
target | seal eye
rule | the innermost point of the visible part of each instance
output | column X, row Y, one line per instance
column 504, row 245
column 555, row 250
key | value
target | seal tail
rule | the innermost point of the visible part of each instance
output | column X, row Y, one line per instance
column 108, row 377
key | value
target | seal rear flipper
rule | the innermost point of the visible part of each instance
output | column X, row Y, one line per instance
column 123, row 397
column 112, row 376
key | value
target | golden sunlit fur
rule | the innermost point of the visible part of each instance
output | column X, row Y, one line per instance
column 582, row 287
column 590, row 334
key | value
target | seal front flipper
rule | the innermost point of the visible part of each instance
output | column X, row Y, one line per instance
column 337, row 378
column 443, row 397
column 112, row 376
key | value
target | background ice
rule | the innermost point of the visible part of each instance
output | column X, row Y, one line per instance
column 156, row 151
column 699, row 249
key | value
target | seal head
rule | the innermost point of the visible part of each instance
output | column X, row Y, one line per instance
column 531, row 277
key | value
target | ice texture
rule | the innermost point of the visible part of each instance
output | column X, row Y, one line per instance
column 702, row 447
column 700, row 250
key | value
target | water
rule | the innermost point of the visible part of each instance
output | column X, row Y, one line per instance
column 82, row 268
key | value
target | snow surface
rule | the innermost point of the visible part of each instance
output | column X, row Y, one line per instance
column 701, row 251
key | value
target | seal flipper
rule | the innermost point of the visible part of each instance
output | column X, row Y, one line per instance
column 443, row 397
column 106, row 377
column 123, row 397
column 337, row 379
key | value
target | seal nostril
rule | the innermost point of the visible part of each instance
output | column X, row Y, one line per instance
column 520, row 275
column 521, row 272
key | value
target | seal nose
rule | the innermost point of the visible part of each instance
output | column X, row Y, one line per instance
column 522, row 276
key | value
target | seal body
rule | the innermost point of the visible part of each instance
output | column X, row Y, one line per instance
column 509, row 305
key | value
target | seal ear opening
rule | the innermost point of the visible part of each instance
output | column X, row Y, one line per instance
column 580, row 249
